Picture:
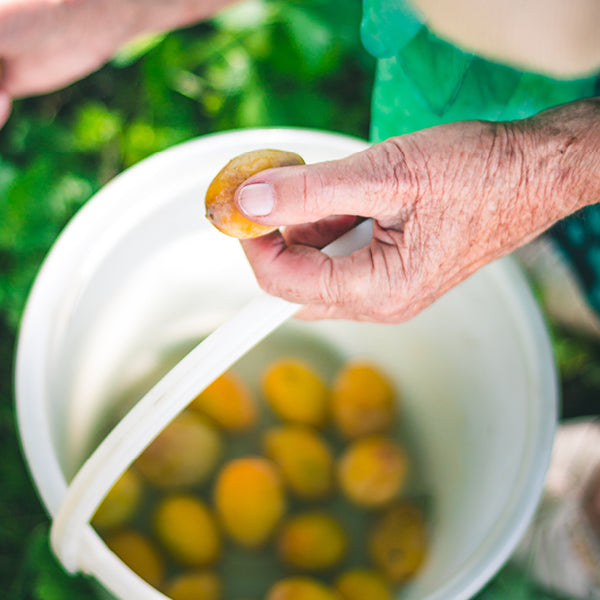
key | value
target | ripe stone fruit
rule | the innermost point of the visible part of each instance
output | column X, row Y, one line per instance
column 304, row 460
column 219, row 202
column 187, row 530
column 398, row 541
column 120, row 503
column 186, row 452
column 363, row 400
column 138, row 553
column 249, row 499
column 228, row 402
column 360, row 584
column 201, row 585
column 372, row 471
column 295, row 392
column 301, row 588
column 312, row 541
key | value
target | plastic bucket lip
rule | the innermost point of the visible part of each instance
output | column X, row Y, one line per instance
column 39, row 325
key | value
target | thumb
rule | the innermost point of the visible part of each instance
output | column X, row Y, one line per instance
column 364, row 184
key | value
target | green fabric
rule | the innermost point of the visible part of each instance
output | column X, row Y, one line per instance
column 423, row 80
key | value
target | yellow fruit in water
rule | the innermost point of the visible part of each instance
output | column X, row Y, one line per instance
column 185, row 453
column 372, row 471
column 138, row 553
column 363, row 401
column 187, row 530
column 228, row 402
column 303, row 458
column 219, row 202
column 120, row 503
column 363, row 584
column 296, row 393
column 202, row 585
column 249, row 499
column 398, row 541
column 301, row 588
column 312, row 541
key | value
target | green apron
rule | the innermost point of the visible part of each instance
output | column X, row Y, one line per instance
column 422, row 80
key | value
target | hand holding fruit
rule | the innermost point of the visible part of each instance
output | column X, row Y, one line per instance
column 444, row 202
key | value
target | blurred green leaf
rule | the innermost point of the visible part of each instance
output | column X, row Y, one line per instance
column 137, row 48
column 95, row 126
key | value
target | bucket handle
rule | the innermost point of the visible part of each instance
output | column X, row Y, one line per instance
column 158, row 407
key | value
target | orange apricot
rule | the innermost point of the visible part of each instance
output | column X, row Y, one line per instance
column 372, row 471
column 363, row 400
column 186, row 452
column 138, row 553
column 312, row 541
column 121, row 502
column 201, row 585
column 301, row 588
column 187, row 530
column 296, row 392
column 358, row 584
column 249, row 499
column 398, row 541
column 219, row 202
column 228, row 402
column 304, row 460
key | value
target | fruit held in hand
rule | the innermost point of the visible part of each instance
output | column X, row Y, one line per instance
column 249, row 499
column 219, row 202
column 372, row 471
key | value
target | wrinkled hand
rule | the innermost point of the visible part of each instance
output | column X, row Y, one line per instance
column 47, row 44
column 444, row 202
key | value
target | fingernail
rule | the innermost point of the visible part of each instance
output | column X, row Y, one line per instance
column 257, row 199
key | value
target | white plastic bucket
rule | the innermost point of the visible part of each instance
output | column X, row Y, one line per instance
column 138, row 277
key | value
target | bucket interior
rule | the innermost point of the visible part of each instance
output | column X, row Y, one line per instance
column 474, row 371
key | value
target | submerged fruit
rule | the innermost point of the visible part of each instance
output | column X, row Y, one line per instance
column 186, row 452
column 301, row 588
column 187, row 530
column 303, row 458
column 398, row 541
column 249, row 499
column 228, row 402
column 312, row 541
column 372, row 471
column 296, row 393
column 363, row 584
column 138, row 553
column 202, row 585
column 120, row 503
column 363, row 400
column 219, row 202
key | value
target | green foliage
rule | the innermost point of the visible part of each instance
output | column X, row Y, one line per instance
column 261, row 63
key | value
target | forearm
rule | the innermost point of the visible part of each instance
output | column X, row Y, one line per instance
column 561, row 147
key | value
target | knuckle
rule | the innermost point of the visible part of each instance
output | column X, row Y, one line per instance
column 389, row 162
